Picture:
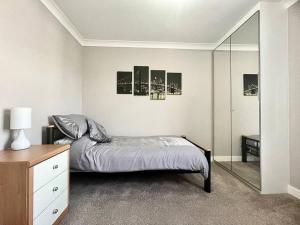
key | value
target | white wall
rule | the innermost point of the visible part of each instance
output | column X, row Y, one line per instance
column 294, row 71
column 188, row 114
column 40, row 66
column 274, row 98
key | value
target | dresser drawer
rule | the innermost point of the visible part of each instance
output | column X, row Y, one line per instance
column 49, row 169
column 48, row 193
column 54, row 210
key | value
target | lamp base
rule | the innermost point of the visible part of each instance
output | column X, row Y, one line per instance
column 21, row 142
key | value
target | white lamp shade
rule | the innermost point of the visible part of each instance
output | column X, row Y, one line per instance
column 20, row 118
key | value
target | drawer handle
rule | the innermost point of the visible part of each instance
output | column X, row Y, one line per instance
column 55, row 167
column 55, row 189
column 55, row 211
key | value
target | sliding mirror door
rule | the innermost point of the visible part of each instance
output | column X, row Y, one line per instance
column 236, row 82
column 222, row 102
column 245, row 119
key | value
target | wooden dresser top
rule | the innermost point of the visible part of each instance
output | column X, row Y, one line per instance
column 33, row 155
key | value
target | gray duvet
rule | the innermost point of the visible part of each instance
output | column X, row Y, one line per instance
column 126, row 154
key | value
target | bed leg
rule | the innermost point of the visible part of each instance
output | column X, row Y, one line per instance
column 207, row 182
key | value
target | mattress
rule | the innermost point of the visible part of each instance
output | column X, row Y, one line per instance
column 129, row 154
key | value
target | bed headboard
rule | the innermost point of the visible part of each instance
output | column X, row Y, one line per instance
column 53, row 134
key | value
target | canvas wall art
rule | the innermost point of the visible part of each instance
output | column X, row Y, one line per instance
column 141, row 80
column 158, row 90
column 174, row 83
column 250, row 84
column 124, row 82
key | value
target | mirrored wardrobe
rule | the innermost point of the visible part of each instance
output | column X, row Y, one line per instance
column 236, row 88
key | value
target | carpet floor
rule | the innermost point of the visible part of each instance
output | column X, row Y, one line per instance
column 174, row 199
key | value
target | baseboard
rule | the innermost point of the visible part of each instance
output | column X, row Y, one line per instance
column 235, row 158
column 224, row 158
column 294, row 191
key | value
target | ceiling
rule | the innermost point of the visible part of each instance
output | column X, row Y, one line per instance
column 182, row 21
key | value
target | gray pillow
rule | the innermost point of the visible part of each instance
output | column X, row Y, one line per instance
column 64, row 141
column 97, row 132
column 73, row 125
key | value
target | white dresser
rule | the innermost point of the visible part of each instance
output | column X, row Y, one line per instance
column 34, row 184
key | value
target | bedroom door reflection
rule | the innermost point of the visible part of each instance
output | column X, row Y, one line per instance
column 238, row 97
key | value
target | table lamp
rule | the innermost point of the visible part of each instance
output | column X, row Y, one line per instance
column 20, row 119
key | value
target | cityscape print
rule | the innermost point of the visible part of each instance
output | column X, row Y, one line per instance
column 250, row 84
column 124, row 82
column 174, row 83
column 160, row 83
column 141, row 80
column 158, row 90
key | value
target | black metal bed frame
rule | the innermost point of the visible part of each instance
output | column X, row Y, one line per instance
column 53, row 134
column 250, row 145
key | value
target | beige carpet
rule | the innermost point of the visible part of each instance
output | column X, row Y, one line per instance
column 170, row 199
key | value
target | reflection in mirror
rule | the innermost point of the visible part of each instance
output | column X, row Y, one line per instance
column 222, row 116
column 245, row 101
column 236, row 103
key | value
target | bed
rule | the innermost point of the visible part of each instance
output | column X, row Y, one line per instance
column 135, row 154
